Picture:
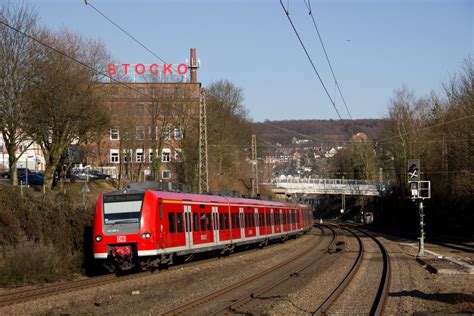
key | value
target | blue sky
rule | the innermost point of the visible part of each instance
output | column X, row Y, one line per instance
column 375, row 46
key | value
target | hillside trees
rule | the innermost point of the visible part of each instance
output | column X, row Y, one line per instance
column 64, row 104
column 229, row 136
column 18, row 54
column 437, row 130
column 357, row 160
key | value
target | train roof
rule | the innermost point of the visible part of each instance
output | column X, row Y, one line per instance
column 217, row 199
column 207, row 198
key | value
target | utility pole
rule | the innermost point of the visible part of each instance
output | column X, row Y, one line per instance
column 203, row 169
column 254, row 166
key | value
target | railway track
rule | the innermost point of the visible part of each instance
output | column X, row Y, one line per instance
column 382, row 289
column 278, row 274
column 24, row 295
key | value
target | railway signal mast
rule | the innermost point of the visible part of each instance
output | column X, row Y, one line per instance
column 420, row 190
column 203, row 169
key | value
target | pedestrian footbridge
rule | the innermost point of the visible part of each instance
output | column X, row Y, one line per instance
column 325, row 186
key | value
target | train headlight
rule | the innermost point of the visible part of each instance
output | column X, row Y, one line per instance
column 146, row 235
column 98, row 238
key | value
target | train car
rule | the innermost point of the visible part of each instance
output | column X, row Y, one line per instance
column 146, row 229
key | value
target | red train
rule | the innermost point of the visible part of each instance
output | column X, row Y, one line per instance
column 148, row 228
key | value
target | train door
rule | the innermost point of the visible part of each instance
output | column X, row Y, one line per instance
column 188, row 228
column 272, row 221
column 268, row 222
column 242, row 222
column 293, row 219
column 215, row 224
column 256, row 221
column 300, row 218
column 261, row 222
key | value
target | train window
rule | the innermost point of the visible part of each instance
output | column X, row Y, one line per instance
column 224, row 221
column 172, row 222
column 261, row 219
column 209, row 221
column 252, row 220
column 195, row 222
column 203, row 222
column 235, row 220
column 247, row 220
column 221, row 221
column 201, row 206
column 179, row 220
column 269, row 223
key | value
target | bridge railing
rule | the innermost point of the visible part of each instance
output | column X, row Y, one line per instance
column 348, row 185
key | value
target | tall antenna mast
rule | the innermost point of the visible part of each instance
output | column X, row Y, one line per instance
column 254, row 166
column 203, row 170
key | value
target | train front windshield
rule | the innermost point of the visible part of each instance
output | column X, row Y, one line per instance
column 122, row 209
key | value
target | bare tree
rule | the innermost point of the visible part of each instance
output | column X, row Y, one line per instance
column 229, row 136
column 66, row 103
column 17, row 57
column 408, row 115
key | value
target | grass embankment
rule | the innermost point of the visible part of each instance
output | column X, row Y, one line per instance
column 44, row 238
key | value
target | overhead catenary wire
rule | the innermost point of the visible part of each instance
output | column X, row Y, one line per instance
column 313, row 66
column 308, row 5
column 124, row 31
column 87, row 2
column 83, row 64
column 207, row 91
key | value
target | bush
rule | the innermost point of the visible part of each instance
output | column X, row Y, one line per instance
column 43, row 237
column 32, row 264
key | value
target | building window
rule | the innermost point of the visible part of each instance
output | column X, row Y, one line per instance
column 166, row 134
column 114, row 134
column 166, row 174
column 114, row 156
column 139, row 109
column 178, row 154
column 139, row 155
column 166, row 155
column 140, row 133
column 177, row 134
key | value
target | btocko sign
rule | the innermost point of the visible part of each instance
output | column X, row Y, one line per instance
column 142, row 69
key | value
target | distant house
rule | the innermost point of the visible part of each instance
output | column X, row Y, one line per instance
column 32, row 157
column 331, row 153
